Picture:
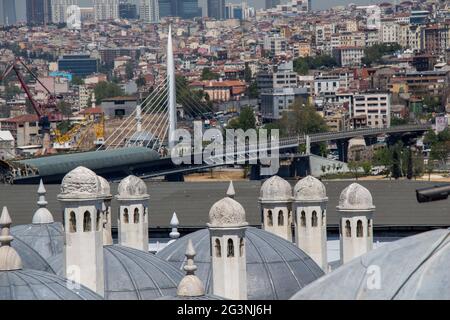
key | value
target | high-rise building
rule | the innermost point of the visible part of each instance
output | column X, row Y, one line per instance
column 106, row 9
column 59, row 9
column 271, row 3
column 216, row 9
column 149, row 11
column 39, row 11
column 188, row 9
column 8, row 12
column 165, row 8
column 127, row 11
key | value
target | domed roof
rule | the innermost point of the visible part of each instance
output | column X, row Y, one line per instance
column 276, row 189
column 132, row 274
column 413, row 268
column 310, row 189
column 132, row 187
column 227, row 212
column 105, row 189
column 355, row 197
column 38, row 285
column 45, row 240
column 276, row 268
column 80, row 183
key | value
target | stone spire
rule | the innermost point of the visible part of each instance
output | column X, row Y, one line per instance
column 9, row 258
column 190, row 285
column 42, row 215
column 174, row 223
column 230, row 192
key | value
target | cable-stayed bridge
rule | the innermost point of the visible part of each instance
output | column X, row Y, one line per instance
column 143, row 142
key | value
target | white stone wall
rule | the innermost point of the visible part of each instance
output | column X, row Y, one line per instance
column 133, row 232
column 280, row 226
column 354, row 242
column 311, row 234
column 83, row 248
column 229, row 272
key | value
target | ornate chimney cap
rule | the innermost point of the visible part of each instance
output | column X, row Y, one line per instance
column 355, row 198
column 80, row 184
column 9, row 258
column 132, row 188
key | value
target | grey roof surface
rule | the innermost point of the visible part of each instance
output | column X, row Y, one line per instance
column 93, row 160
column 132, row 274
column 38, row 285
column 31, row 259
column 276, row 268
column 395, row 202
column 415, row 267
column 46, row 239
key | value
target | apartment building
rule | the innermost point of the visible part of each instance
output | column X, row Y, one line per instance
column 376, row 107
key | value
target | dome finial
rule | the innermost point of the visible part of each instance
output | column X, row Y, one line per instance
column 190, row 285
column 42, row 215
column 9, row 259
column 230, row 192
column 174, row 223
column 190, row 267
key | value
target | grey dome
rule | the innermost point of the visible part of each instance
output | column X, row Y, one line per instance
column 415, row 267
column 132, row 274
column 276, row 268
column 31, row 259
column 275, row 189
column 46, row 239
column 105, row 189
column 38, row 285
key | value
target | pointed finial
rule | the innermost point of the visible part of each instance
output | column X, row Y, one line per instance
column 42, row 215
column 190, row 285
column 42, row 203
column 9, row 259
column 230, row 192
column 190, row 267
column 174, row 223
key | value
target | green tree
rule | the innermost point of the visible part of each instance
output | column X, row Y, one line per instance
column 247, row 73
column 140, row 82
column 207, row 74
column 64, row 108
column 252, row 90
column 303, row 64
column 375, row 53
column 410, row 170
column 354, row 166
column 245, row 121
column 104, row 90
column 77, row 81
column 129, row 71
column 301, row 119
column 367, row 167
column 396, row 164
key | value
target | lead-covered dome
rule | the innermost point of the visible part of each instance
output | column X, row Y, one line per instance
column 276, row 268
column 412, row 268
column 132, row 187
column 81, row 182
column 310, row 189
column 275, row 189
column 132, row 274
column 38, row 285
column 355, row 197
column 227, row 212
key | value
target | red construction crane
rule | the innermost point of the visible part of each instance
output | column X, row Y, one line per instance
column 45, row 112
